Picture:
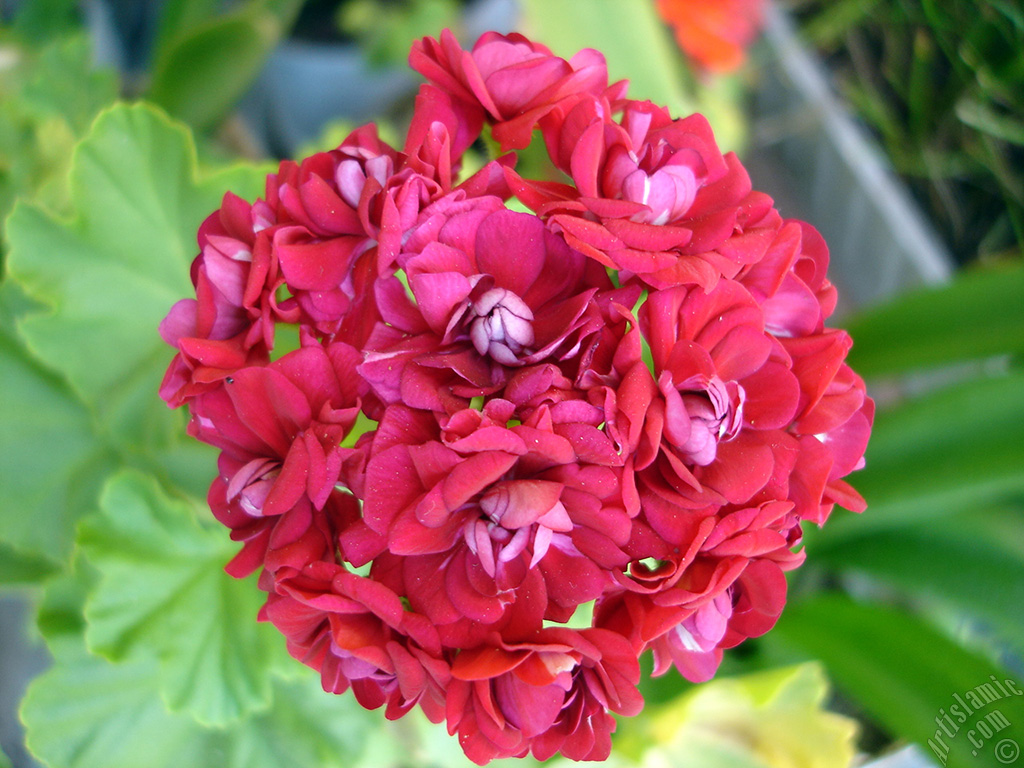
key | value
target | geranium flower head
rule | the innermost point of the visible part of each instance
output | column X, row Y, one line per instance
column 521, row 443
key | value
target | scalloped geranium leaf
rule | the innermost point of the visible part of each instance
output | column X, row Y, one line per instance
column 86, row 712
column 162, row 590
column 108, row 275
column 51, row 464
column 54, row 456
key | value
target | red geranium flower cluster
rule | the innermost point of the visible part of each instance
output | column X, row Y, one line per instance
column 515, row 450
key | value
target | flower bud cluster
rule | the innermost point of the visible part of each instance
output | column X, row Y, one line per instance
column 516, row 444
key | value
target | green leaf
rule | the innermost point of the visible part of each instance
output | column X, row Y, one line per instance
column 162, row 590
column 59, row 615
column 110, row 274
column 986, row 582
column 178, row 18
column 980, row 115
column 904, row 673
column 620, row 30
column 64, row 81
column 387, row 31
column 201, row 73
column 18, row 569
column 979, row 314
column 186, row 464
column 830, row 25
column 957, row 449
column 86, row 712
column 48, row 99
column 51, row 464
column 42, row 20
column 88, row 297
column 13, row 304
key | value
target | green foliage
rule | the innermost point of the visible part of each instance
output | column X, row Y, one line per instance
column 953, row 450
column 85, row 295
column 639, row 47
column 100, row 714
column 108, row 275
column 167, row 690
column 965, row 562
column 894, row 665
column 156, row 565
column 59, row 613
column 178, row 20
column 978, row 315
column 941, row 83
column 18, row 569
column 941, row 536
column 90, row 712
column 86, row 712
column 158, row 658
column 203, row 60
column 386, row 31
column 48, row 98
column 53, row 462
column 618, row 30
column 204, row 63
column 950, row 458
column 41, row 21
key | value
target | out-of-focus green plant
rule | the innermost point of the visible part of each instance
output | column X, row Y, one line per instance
column 386, row 28
column 48, row 98
column 918, row 600
column 203, row 58
column 942, row 83
column 770, row 719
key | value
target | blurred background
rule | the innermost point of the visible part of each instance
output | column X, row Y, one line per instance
column 896, row 127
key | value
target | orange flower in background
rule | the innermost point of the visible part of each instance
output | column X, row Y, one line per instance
column 714, row 33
